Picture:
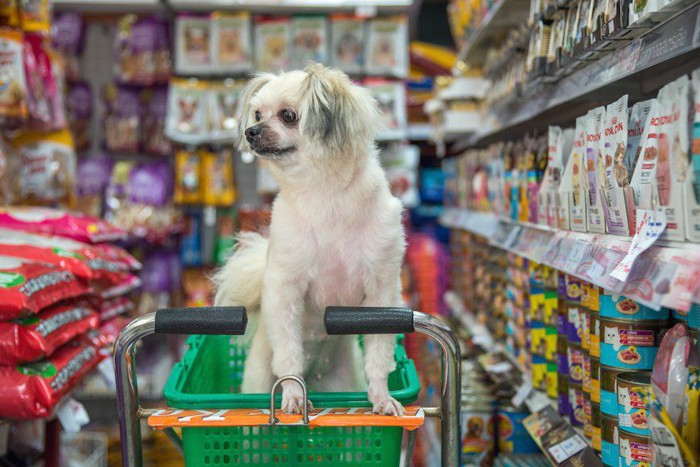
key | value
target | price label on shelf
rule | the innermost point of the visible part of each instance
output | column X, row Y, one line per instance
column 567, row 448
column 650, row 226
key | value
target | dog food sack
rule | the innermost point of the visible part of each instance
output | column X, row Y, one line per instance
column 386, row 53
column 347, row 43
column 13, row 93
column 273, row 43
column 595, row 169
column 142, row 51
column 231, row 43
column 154, row 103
column 617, row 194
column 310, row 40
column 122, row 120
column 223, row 108
column 187, row 111
column 192, row 44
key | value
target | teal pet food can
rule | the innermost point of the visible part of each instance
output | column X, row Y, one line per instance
column 631, row 411
column 619, row 307
column 630, row 345
column 609, row 452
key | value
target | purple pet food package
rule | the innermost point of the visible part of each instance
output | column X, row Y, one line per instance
column 79, row 108
column 155, row 108
column 150, row 183
column 93, row 177
column 123, row 106
column 140, row 49
column 67, row 38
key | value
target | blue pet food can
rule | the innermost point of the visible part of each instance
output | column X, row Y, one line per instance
column 512, row 436
column 608, row 390
column 694, row 317
column 631, row 411
column 619, row 307
column 609, row 453
column 631, row 345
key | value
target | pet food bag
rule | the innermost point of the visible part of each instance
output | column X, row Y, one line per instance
column 187, row 111
column 122, row 121
column 223, row 110
column 79, row 108
column 310, row 40
column 41, row 86
column 217, row 177
column 67, row 38
column 142, row 51
column 386, row 50
column 13, row 93
column 93, row 177
column 644, row 174
column 155, row 109
column 273, row 43
column 32, row 390
column 347, row 43
column 188, row 177
column 231, row 42
column 193, row 37
column 38, row 336
column 391, row 96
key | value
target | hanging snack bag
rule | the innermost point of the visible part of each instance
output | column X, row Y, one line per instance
column 13, row 92
column 192, row 44
column 47, row 168
column 93, row 177
column 38, row 336
column 36, row 16
column 217, row 177
column 223, row 109
column 231, row 43
column 67, row 35
column 28, row 287
column 617, row 196
column 187, row 111
column 386, row 51
column 155, row 109
column 347, row 43
column 188, row 177
column 9, row 14
column 60, row 223
column 273, row 43
column 310, row 40
column 122, row 119
column 33, row 390
column 139, row 46
column 595, row 169
column 79, row 108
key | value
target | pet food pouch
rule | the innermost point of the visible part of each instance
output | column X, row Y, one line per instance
column 618, row 200
column 310, row 40
column 47, row 168
column 155, row 108
column 79, row 108
column 638, row 118
column 122, row 122
column 692, row 186
column 576, row 188
column 231, row 42
column 33, row 390
column 217, row 177
column 67, row 36
column 273, row 43
column 386, row 53
column 347, row 43
column 223, row 106
column 136, row 47
column 38, row 336
column 93, row 177
column 559, row 143
column 36, row 16
column 188, row 177
column 187, row 113
column 13, row 92
column 391, row 96
column 595, row 169
column 192, row 44
column 28, row 287
column 644, row 174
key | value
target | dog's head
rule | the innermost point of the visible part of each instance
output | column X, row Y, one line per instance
column 301, row 117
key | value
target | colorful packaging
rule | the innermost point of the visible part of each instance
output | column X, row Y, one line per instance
column 610, row 439
column 608, row 389
column 187, row 111
column 386, row 51
column 67, row 36
column 575, row 363
column 595, row 169
column 619, row 307
column 231, row 42
column 93, row 177
column 512, row 436
column 142, row 50
column 692, row 185
column 122, row 120
column 576, row 397
column 347, row 43
column 573, row 191
column 635, row 450
column 631, row 411
column 9, row 14
column 273, row 43
column 192, row 44
column 559, row 143
column 310, row 40
column 391, row 96
column 217, row 177
column 155, row 108
column 36, row 16
column 629, row 344
column 644, row 174
column 618, row 199
column 223, row 110
column 113, row 307
column 79, row 108
column 189, row 186
column 33, row 390
column 13, row 93
column 38, row 336
column 691, row 422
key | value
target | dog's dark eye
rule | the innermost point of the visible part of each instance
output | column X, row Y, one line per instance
column 288, row 116
column 257, row 116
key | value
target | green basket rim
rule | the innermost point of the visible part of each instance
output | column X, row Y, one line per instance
column 178, row 399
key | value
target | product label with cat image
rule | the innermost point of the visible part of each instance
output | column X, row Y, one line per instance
column 619, row 307
column 629, row 344
column 595, row 169
column 635, row 450
column 631, row 410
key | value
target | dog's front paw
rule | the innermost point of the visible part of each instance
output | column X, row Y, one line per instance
column 387, row 405
column 293, row 398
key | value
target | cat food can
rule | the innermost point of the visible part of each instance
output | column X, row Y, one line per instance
column 563, row 395
column 585, row 293
column 585, row 330
column 608, row 390
column 593, row 302
column 595, row 380
column 594, row 333
column 512, row 436
column 574, row 362
column 681, row 316
column 635, row 450
column 609, row 435
column 478, row 443
column 694, row 317
column 587, row 417
column 619, row 307
column 631, row 345
column 596, row 420
column 570, row 288
column 574, row 329
column 631, row 412
column 576, row 410
column 586, row 381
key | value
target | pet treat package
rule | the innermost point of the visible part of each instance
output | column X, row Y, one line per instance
column 595, row 169
column 122, row 122
column 232, row 50
column 79, row 108
column 672, row 159
column 36, row 16
column 310, row 40
column 46, row 168
column 189, row 186
column 161, row 276
column 93, row 177
column 643, row 180
column 347, row 43
column 273, row 43
column 692, row 184
column 9, row 14
column 223, row 107
column 193, row 37
column 33, row 390
column 27, row 287
column 386, row 53
column 37, row 336
column 573, row 192
column 72, row 225
column 142, row 51
column 559, row 144
column 638, row 119
column 187, row 116
column 13, row 93
column 67, row 38
column 217, row 177
column 154, row 113
column 391, row 96
column 617, row 194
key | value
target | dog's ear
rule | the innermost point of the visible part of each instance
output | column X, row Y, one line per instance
column 335, row 112
column 245, row 112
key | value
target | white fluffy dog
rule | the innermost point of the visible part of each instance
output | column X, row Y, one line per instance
column 336, row 237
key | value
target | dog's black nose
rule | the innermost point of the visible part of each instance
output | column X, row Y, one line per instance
column 252, row 133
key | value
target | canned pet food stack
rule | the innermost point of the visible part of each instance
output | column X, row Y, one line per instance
column 574, row 303
column 478, row 413
column 630, row 334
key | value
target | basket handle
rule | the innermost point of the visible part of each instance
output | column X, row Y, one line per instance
column 343, row 320
column 300, row 382
column 222, row 320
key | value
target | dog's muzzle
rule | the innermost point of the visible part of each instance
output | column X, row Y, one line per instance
column 253, row 133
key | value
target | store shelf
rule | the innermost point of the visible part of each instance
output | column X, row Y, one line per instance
column 504, row 16
column 665, row 51
column 108, row 6
column 667, row 274
column 365, row 7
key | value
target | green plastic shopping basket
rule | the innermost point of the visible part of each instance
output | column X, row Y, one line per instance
column 210, row 374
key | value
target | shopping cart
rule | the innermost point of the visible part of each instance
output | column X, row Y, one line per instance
column 228, row 434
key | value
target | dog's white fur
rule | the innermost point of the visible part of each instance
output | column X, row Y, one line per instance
column 336, row 238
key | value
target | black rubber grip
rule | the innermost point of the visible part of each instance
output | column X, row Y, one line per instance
column 342, row 320
column 223, row 320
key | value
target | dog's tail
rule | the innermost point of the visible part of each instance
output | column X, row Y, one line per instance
column 240, row 281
